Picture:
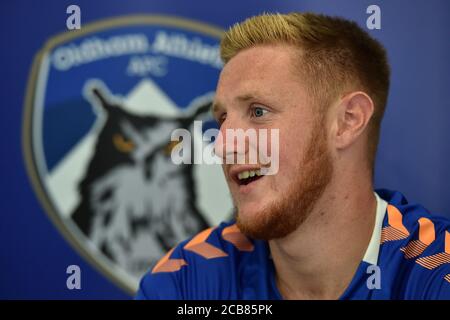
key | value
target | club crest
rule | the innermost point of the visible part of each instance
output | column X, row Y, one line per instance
column 100, row 108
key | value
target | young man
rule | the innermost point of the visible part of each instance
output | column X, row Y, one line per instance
column 315, row 229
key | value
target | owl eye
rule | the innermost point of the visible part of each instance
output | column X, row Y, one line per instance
column 169, row 147
column 122, row 144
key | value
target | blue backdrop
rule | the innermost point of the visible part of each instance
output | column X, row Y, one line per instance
column 413, row 155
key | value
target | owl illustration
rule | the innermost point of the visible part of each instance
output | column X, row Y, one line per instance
column 136, row 203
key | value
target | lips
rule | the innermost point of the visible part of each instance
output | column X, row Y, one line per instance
column 244, row 175
column 249, row 180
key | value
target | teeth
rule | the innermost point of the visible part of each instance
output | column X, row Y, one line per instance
column 243, row 175
column 248, row 174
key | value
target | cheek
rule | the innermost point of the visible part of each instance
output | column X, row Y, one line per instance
column 289, row 141
column 292, row 148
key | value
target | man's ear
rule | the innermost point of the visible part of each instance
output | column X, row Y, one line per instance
column 353, row 114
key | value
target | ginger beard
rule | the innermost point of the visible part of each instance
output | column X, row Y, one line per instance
column 282, row 217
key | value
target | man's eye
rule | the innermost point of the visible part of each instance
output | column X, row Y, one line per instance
column 259, row 112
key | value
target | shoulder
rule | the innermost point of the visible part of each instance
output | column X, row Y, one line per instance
column 202, row 267
column 417, row 242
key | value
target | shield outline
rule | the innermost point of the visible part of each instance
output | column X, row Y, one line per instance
column 39, row 189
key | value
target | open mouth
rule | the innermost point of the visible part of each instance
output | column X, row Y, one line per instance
column 249, row 176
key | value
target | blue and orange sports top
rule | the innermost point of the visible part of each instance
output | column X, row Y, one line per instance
column 409, row 247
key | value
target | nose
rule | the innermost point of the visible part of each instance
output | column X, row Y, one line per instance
column 231, row 143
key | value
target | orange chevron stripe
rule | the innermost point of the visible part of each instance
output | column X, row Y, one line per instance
column 199, row 246
column 426, row 231
column 395, row 219
column 168, row 265
column 447, row 241
column 414, row 249
column 237, row 238
column 391, row 234
column 447, row 277
column 434, row 261
column 426, row 237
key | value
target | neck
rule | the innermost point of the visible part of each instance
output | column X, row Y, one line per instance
column 319, row 259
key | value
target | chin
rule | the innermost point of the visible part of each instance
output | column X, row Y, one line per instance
column 247, row 215
column 250, row 210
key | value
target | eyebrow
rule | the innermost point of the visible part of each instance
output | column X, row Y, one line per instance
column 246, row 97
column 216, row 106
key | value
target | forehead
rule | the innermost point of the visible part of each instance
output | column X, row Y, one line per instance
column 269, row 70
